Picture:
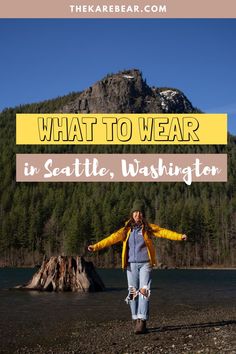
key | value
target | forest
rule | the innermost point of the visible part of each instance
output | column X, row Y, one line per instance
column 39, row 219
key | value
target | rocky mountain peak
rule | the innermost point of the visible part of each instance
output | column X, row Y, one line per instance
column 127, row 92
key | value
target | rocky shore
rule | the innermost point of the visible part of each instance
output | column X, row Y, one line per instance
column 189, row 332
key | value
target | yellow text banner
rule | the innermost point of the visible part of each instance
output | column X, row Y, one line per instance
column 117, row 129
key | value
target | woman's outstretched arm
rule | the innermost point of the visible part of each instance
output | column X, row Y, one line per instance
column 165, row 233
column 114, row 238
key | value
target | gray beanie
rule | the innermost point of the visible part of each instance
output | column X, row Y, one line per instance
column 138, row 205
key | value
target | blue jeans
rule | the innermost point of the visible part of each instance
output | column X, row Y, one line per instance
column 139, row 281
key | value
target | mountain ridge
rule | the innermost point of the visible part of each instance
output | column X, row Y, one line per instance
column 127, row 92
column 123, row 92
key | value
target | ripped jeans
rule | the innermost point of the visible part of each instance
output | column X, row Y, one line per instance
column 139, row 281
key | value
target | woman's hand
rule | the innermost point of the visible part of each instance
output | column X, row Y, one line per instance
column 90, row 248
column 184, row 237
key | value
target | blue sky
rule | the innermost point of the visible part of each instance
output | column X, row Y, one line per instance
column 43, row 59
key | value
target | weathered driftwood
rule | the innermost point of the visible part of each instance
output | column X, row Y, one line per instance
column 64, row 273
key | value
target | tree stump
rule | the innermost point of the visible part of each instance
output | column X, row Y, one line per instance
column 64, row 273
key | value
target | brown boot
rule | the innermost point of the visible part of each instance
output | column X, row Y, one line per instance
column 137, row 326
column 140, row 327
column 143, row 326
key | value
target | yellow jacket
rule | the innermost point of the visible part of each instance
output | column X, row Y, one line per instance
column 119, row 236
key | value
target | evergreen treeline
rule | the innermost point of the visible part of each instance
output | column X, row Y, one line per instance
column 55, row 218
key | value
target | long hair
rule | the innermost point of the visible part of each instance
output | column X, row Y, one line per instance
column 131, row 223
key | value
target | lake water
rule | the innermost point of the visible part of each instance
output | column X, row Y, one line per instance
column 28, row 315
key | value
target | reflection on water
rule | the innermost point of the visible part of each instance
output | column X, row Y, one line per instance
column 22, row 311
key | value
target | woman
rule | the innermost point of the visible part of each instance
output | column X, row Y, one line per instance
column 138, row 257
